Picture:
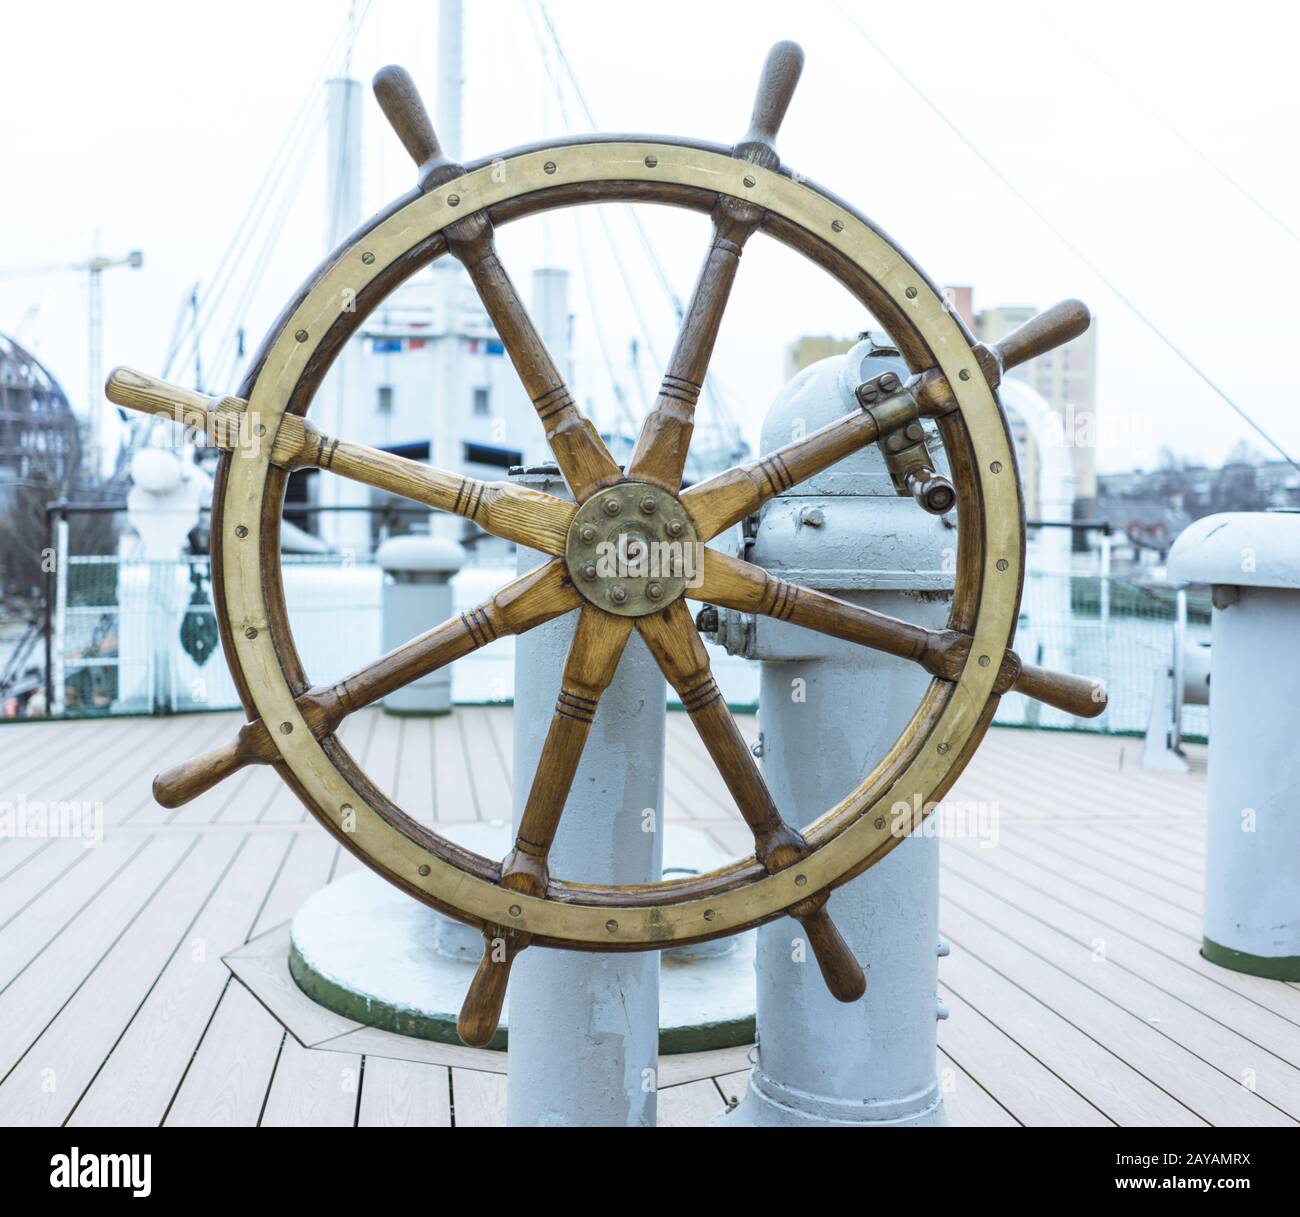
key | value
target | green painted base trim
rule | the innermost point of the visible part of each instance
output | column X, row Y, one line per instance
column 1274, row 967
column 360, row 1008
column 441, row 1028
column 415, row 713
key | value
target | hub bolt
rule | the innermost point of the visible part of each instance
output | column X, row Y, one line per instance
column 675, row 528
column 589, row 571
column 618, row 593
column 648, row 504
column 587, row 533
column 654, row 590
column 611, row 507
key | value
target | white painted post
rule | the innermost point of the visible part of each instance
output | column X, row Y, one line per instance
column 417, row 594
column 59, row 649
column 829, row 710
column 584, row 1026
column 1252, row 897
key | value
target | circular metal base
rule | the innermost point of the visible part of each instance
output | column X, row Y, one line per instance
column 365, row 950
column 767, row 1105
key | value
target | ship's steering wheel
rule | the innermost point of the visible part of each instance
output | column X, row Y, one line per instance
column 264, row 434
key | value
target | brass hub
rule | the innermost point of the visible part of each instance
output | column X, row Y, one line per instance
column 632, row 550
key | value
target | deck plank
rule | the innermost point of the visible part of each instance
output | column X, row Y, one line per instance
column 1101, row 1002
column 478, row 1099
column 312, row 1089
column 1169, row 978
column 454, row 796
column 690, row 1105
column 144, row 1068
column 44, row 1086
column 1090, row 848
column 488, row 781
column 404, row 1094
column 966, row 1103
column 34, row 996
column 1096, row 1071
column 1016, row 1078
column 227, row 1081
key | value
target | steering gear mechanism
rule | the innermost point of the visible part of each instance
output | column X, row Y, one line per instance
column 604, row 546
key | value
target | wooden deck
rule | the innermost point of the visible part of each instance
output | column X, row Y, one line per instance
column 1076, row 992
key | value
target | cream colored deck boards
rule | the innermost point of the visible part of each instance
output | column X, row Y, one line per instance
column 227, row 1081
column 1106, row 1015
column 75, row 1044
column 404, row 1094
column 145, row 1065
column 1118, row 921
column 478, row 1099
column 111, row 971
column 34, row 996
column 1015, row 1078
column 313, row 1089
column 690, row 1105
column 1216, row 1043
column 966, row 1103
column 1180, row 973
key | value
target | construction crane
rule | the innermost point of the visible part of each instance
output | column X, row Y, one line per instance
column 94, row 267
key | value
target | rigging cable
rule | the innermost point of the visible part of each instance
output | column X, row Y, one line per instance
column 239, row 241
column 245, row 233
column 711, row 386
column 1060, row 235
column 1154, row 114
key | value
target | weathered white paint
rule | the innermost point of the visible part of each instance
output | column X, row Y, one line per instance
column 585, row 1026
column 417, row 594
column 828, row 711
column 1252, row 888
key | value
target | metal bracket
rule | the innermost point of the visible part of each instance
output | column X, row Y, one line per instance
column 902, row 442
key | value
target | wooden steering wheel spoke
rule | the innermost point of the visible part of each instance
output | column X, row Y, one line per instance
column 717, row 503
column 530, row 600
column 480, row 1013
column 514, row 513
column 676, row 645
column 578, row 449
column 660, row 454
column 747, row 588
column 597, row 646
column 1043, row 332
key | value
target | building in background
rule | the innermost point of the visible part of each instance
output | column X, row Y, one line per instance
column 810, row 349
column 1066, row 378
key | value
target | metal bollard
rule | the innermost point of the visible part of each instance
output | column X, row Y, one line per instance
column 417, row 596
column 1252, row 896
column 828, row 711
column 584, row 1026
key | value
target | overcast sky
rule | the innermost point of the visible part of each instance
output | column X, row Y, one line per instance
column 149, row 124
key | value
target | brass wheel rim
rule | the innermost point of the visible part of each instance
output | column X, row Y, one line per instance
column 929, row 754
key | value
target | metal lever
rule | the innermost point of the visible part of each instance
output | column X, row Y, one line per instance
column 902, row 441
